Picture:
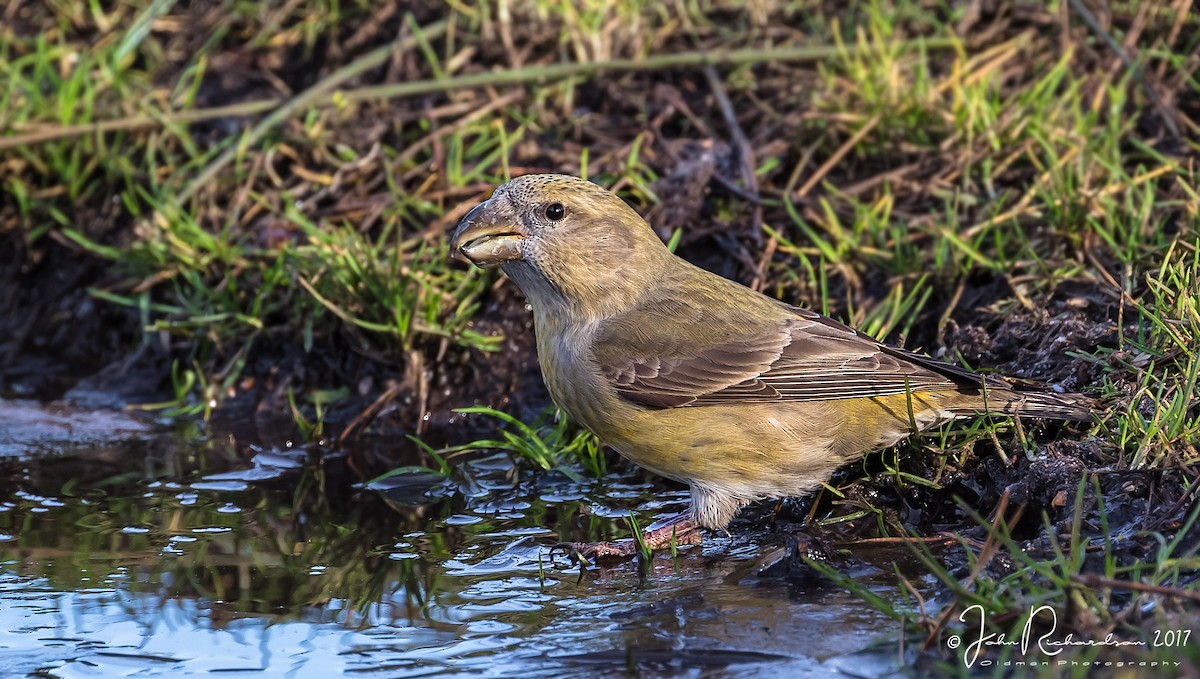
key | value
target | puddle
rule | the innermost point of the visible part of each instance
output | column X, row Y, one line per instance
column 158, row 556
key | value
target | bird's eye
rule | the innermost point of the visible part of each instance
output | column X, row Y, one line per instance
column 555, row 212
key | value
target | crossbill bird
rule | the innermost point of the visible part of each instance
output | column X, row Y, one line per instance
column 698, row 378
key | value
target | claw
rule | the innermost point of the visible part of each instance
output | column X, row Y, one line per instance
column 684, row 532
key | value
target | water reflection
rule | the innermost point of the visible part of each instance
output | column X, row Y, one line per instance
column 165, row 558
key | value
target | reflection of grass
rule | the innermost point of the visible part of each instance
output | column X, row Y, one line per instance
column 306, row 547
column 280, row 554
column 551, row 442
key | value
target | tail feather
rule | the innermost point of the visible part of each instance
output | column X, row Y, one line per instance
column 985, row 394
column 1073, row 407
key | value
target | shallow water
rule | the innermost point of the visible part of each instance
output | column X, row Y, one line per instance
column 129, row 553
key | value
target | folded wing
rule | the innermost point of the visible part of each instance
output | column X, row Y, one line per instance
column 801, row 356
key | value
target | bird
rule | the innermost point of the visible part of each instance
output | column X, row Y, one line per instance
column 697, row 378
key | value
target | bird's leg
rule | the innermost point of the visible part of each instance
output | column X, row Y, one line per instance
column 679, row 530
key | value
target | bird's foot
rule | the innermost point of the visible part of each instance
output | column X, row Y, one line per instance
column 677, row 533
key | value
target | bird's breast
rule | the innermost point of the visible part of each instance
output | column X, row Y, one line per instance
column 570, row 378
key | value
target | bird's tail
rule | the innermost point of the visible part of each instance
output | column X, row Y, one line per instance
column 980, row 395
column 1075, row 407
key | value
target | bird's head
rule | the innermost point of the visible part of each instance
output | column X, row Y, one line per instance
column 564, row 241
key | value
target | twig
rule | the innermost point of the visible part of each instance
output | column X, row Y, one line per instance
column 1159, row 105
column 1022, row 206
column 414, row 148
column 41, row 136
column 1097, row 581
column 945, row 317
column 941, row 538
column 1124, row 294
column 889, row 176
column 1169, row 515
column 318, row 92
column 991, row 546
column 538, row 74
column 837, row 156
column 745, row 152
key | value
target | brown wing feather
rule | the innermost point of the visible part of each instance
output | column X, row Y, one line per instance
column 801, row 357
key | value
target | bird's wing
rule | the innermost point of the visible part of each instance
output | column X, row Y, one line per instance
column 671, row 353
